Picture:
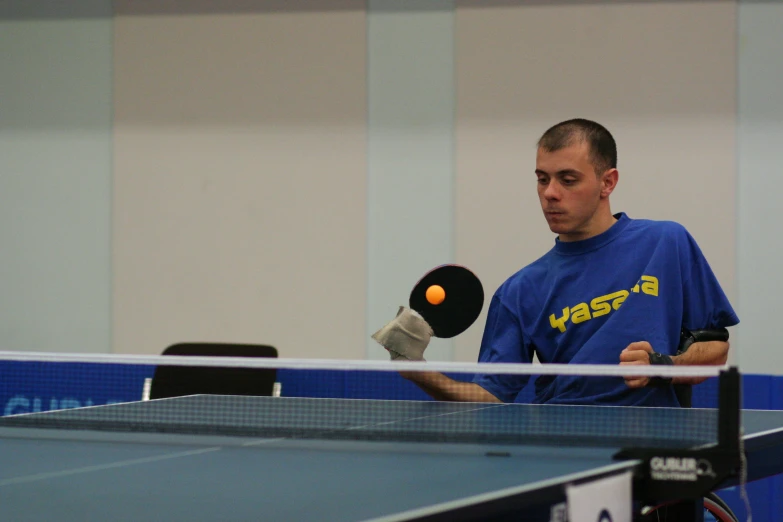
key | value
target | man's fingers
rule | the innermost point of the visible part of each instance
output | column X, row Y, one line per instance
column 634, row 357
column 638, row 351
column 637, row 382
column 634, row 360
column 639, row 345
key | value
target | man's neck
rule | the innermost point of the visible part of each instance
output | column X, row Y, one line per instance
column 603, row 222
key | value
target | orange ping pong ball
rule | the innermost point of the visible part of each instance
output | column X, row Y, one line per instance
column 435, row 294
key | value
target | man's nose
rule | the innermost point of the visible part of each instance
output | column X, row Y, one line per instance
column 552, row 190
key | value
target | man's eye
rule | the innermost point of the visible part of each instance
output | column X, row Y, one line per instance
column 543, row 181
column 569, row 181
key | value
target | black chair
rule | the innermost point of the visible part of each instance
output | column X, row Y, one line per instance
column 178, row 381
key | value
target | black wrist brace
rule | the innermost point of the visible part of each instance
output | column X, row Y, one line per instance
column 660, row 359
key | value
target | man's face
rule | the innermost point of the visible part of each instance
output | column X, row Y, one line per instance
column 569, row 190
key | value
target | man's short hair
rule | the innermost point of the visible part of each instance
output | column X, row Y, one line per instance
column 603, row 149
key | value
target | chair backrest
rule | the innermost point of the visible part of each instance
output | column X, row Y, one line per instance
column 684, row 393
column 177, row 381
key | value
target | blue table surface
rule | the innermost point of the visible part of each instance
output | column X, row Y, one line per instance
column 84, row 474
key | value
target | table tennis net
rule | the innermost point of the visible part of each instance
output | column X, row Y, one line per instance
column 340, row 400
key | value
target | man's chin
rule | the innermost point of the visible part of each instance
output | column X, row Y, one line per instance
column 564, row 232
column 558, row 228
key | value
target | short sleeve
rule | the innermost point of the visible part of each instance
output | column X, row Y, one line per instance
column 503, row 342
column 705, row 305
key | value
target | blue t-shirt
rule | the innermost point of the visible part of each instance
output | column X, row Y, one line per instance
column 583, row 302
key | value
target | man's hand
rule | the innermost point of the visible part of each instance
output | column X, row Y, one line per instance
column 405, row 337
column 635, row 354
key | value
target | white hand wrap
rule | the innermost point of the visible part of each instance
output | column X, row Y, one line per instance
column 405, row 337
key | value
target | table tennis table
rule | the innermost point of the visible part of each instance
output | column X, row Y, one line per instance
column 229, row 458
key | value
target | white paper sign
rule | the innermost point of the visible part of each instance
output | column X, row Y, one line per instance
column 605, row 500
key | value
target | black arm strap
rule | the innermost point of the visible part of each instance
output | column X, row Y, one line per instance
column 688, row 337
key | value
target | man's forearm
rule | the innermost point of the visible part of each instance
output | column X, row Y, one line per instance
column 698, row 354
column 443, row 388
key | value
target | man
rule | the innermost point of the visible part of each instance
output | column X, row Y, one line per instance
column 612, row 290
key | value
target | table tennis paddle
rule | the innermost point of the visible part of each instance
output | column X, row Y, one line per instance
column 454, row 306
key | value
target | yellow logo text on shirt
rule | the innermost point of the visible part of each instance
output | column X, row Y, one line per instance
column 602, row 305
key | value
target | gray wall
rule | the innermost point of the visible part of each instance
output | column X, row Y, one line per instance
column 760, row 183
column 410, row 154
column 284, row 172
column 55, row 175
column 240, row 176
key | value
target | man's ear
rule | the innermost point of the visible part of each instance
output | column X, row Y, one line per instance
column 609, row 181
